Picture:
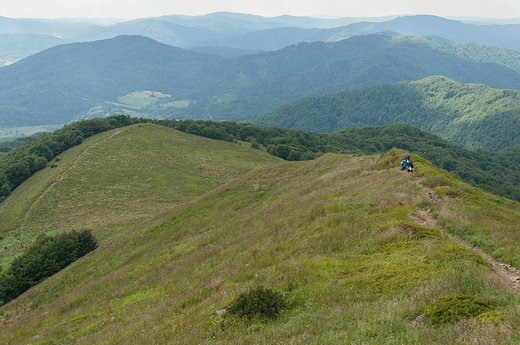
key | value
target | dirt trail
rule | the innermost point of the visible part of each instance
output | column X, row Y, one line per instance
column 62, row 173
column 510, row 274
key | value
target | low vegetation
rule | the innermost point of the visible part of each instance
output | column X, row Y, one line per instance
column 495, row 172
column 258, row 303
column 454, row 308
column 19, row 164
column 332, row 235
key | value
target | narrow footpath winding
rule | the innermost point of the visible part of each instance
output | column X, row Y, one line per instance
column 510, row 274
column 62, row 173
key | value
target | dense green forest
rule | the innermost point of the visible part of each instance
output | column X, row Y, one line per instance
column 38, row 90
column 470, row 115
column 496, row 172
column 45, row 257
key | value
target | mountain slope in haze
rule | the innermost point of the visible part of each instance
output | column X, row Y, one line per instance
column 333, row 235
column 68, row 80
column 65, row 28
column 118, row 178
column 220, row 30
column 504, row 36
column 81, row 80
column 250, row 32
column 18, row 46
column 470, row 115
column 354, row 63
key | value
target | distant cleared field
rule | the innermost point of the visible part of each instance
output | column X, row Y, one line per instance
column 141, row 99
column 9, row 133
column 176, row 104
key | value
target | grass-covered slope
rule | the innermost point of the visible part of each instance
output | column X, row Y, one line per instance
column 496, row 172
column 332, row 235
column 118, row 178
column 470, row 115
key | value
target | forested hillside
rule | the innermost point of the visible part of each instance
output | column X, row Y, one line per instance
column 470, row 115
column 63, row 82
column 505, row 36
column 41, row 89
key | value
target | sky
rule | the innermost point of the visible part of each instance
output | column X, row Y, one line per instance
column 132, row 9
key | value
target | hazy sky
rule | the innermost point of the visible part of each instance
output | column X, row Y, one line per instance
column 129, row 9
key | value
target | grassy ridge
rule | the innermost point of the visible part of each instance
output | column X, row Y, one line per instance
column 495, row 172
column 119, row 178
column 332, row 234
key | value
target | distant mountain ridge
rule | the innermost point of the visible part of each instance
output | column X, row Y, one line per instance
column 251, row 32
column 504, row 36
column 80, row 80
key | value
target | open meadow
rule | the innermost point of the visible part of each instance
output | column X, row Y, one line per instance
column 341, row 238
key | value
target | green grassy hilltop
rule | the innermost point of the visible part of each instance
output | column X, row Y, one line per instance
column 117, row 179
column 344, row 239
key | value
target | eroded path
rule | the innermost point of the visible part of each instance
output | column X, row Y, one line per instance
column 510, row 274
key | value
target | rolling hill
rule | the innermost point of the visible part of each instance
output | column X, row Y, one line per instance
column 504, row 36
column 83, row 80
column 119, row 178
column 227, row 31
column 470, row 115
column 244, row 32
column 345, row 239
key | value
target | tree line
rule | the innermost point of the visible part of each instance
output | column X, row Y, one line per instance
column 47, row 256
column 495, row 172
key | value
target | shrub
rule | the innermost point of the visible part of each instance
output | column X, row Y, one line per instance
column 47, row 256
column 254, row 144
column 259, row 303
column 453, row 308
